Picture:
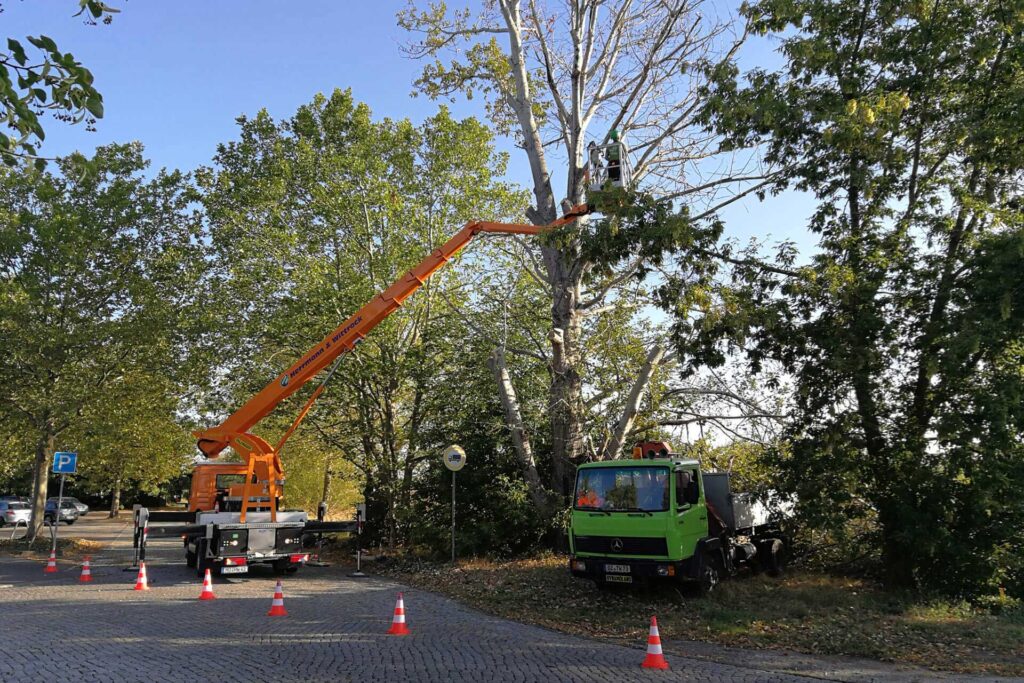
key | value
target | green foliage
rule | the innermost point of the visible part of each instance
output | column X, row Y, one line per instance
column 635, row 226
column 101, row 269
column 313, row 216
column 52, row 81
column 306, row 461
column 904, row 333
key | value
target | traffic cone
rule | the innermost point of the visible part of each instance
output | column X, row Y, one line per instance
column 86, row 572
column 142, row 583
column 207, row 593
column 277, row 606
column 51, row 564
column 654, row 658
column 398, row 627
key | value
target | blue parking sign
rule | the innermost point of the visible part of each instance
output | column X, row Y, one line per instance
column 65, row 463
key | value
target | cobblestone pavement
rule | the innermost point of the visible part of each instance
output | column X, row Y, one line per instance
column 56, row 629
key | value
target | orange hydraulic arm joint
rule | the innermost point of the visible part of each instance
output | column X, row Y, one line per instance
column 264, row 465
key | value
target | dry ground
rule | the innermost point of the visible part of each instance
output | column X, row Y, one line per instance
column 811, row 613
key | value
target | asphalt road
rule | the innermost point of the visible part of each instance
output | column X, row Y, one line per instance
column 56, row 629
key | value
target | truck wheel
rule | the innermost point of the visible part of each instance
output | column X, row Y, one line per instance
column 190, row 559
column 284, row 566
column 707, row 580
column 202, row 563
column 774, row 560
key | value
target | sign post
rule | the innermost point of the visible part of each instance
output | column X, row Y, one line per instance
column 64, row 463
column 360, row 516
column 454, row 460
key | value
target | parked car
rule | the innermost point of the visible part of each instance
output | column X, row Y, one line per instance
column 83, row 509
column 14, row 511
column 16, row 499
column 68, row 512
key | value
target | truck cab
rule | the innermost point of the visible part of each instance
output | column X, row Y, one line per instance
column 220, row 486
column 659, row 516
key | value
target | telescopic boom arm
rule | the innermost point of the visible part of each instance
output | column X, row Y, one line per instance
column 253, row 449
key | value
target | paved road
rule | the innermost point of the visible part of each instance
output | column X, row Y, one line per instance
column 334, row 631
column 55, row 629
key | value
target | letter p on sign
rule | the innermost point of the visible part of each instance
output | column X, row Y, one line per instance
column 65, row 463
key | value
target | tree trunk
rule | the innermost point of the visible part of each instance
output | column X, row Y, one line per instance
column 327, row 480
column 115, row 498
column 622, row 430
column 514, row 419
column 898, row 556
column 41, row 480
column 564, row 269
column 565, row 400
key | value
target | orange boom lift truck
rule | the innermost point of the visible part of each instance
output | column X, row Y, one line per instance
column 234, row 520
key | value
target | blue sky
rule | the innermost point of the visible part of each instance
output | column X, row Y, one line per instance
column 175, row 75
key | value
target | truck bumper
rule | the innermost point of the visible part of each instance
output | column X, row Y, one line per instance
column 612, row 569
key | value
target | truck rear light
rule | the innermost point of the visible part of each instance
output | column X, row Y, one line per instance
column 234, row 561
column 295, row 559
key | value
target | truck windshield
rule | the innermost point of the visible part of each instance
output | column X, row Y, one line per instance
column 622, row 489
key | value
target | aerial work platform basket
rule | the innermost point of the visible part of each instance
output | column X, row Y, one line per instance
column 608, row 164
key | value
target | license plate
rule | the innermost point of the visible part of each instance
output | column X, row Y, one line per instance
column 234, row 570
column 615, row 578
column 617, row 568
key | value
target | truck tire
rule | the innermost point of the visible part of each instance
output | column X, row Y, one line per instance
column 202, row 563
column 708, row 576
column 773, row 559
column 190, row 558
column 283, row 566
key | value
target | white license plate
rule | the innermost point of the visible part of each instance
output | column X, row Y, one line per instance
column 617, row 568
column 615, row 578
column 243, row 569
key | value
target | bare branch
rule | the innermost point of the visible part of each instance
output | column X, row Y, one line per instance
column 610, row 285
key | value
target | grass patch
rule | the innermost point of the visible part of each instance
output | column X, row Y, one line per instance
column 812, row 613
column 67, row 548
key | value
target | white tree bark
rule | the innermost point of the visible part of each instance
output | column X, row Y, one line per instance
column 514, row 419
column 551, row 71
column 655, row 358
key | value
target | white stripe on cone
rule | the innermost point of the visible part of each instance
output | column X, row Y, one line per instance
column 400, row 611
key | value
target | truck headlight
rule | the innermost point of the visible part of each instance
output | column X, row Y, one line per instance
column 666, row 570
column 579, row 566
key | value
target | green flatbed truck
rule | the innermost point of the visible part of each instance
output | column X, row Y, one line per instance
column 658, row 516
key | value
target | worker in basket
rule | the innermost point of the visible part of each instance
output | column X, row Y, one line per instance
column 614, row 156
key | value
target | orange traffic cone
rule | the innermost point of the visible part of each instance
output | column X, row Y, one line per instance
column 142, row 583
column 86, row 572
column 398, row 627
column 207, row 593
column 277, row 606
column 654, row 658
column 51, row 564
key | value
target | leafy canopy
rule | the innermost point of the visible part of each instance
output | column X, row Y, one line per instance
column 50, row 81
